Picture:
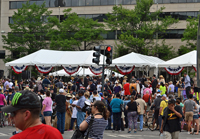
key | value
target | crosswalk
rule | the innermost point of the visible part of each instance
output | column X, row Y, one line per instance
column 132, row 136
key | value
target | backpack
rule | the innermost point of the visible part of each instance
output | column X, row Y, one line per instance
column 104, row 101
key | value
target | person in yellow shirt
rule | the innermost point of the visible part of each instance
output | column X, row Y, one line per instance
column 163, row 105
column 162, row 88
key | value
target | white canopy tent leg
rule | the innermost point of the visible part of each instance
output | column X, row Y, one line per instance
column 187, row 70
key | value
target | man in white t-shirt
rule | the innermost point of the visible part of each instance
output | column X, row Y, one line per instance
column 74, row 113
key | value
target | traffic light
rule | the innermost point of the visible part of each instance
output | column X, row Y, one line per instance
column 97, row 55
column 108, row 55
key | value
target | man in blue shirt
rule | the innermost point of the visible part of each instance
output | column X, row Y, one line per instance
column 187, row 84
column 116, row 109
column 80, row 104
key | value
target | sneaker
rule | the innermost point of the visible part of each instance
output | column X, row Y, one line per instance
column 161, row 134
column 141, row 130
column 188, row 133
column 15, row 132
column 135, row 131
column 129, row 131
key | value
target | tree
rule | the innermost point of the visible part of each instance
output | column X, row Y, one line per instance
column 190, row 35
column 164, row 52
column 138, row 26
column 75, row 32
column 28, row 32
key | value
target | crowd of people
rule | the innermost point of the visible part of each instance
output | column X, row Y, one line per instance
column 69, row 105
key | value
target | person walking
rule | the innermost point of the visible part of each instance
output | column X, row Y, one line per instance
column 80, row 104
column 163, row 105
column 116, row 109
column 187, row 84
column 171, row 121
column 143, row 108
column 154, row 84
column 60, row 102
column 47, row 108
column 188, row 109
column 170, row 90
column 195, row 118
column 132, row 114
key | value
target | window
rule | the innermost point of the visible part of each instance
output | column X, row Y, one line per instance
column 40, row 3
column 81, row 2
column 118, row 2
column 47, row 3
column 19, row 4
column 13, row 5
column 111, row 35
column 11, row 20
column 61, row 3
column 104, row 2
column 182, row 1
column 75, row 3
column 89, row 2
column 2, row 54
column 111, row 2
column 133, row 1
column 127, row 2
column 96, row 2
column 89, row 16
column 68, row 3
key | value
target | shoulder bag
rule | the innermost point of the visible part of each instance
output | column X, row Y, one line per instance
column 138, row 108
column 80, row 134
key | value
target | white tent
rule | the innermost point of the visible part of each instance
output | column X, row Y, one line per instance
column 186, row 60
column 56, row 58
column 136, row 59
column 81, row 72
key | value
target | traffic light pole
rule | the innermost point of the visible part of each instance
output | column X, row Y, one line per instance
column 102, row 89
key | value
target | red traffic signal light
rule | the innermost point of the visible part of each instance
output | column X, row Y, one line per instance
column 108, row 48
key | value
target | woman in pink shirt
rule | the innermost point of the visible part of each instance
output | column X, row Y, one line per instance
column 47, row 108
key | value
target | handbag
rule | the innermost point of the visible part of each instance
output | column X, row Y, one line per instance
column 138, row 108
column 122, row 107
column 149, row 101
column 80, row 134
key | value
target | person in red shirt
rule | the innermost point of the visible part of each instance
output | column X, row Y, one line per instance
column 146, row 98
column 25, row 110
column 127, row 89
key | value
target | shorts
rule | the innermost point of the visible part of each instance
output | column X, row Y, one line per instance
column 188, row 116
column 148, row 107
column 156, row 113
column 196, row 89
column 195, row 117
column 47, row 113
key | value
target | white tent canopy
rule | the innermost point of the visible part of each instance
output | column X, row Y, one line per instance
column 81, row 72
column 136, row 59
column 186, row 60
column 56, row 58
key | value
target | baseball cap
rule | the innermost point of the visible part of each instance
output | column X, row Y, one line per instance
column 158, row 90
column 61, row 90
column 23, row 100
column 164, row 95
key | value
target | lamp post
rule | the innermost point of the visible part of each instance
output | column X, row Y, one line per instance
column 59, row 13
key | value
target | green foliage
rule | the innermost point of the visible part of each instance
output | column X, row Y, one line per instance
column 138, row 26
column 74, row 32
column 163, row 51
column 28, row 31
column 190, row 34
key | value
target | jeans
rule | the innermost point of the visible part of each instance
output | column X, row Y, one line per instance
column 72, row 123
column 188, row 91
column 61, row 121
column 109, row 123
column 116, row 120
column 160, row 120
column 141, row 121
column 80, row 117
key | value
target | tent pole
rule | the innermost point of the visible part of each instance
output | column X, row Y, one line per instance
column 187, row 70
column 83, row 73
